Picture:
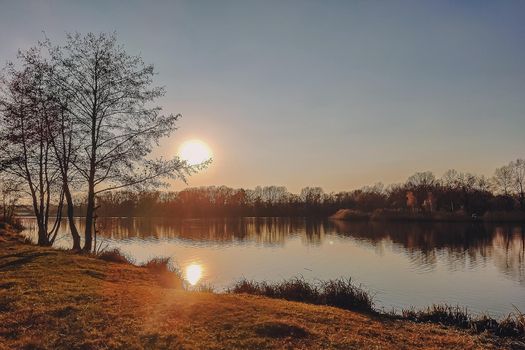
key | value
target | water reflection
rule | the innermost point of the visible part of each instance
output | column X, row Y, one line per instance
column 193, row 273
column 476, row 265
column 461, row 246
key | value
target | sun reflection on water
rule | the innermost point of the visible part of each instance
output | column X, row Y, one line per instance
column 193, row 273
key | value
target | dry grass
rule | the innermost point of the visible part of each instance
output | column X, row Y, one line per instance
column 52, row 299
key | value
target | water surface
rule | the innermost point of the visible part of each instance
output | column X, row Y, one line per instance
column 478, row 266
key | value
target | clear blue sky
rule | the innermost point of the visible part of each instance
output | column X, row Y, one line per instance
column 337, row 94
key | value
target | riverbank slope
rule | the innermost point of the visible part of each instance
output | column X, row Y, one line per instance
column 52, row 299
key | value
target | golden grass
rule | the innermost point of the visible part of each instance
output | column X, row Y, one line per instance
column 51, row 299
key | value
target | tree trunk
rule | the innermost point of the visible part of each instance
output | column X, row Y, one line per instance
column 90, row 211
column 71, row 218
column 43, row 239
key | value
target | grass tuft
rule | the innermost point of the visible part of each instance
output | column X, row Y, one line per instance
column 440, row 313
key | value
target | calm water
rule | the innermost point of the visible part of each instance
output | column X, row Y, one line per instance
column 478, row 266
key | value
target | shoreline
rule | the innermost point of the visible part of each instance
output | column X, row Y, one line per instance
column 384, row 215
column 124, row 293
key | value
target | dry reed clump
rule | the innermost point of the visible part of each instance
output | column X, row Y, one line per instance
column 115, row 256
column 339, row 293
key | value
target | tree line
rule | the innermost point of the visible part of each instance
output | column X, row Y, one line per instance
column 422, row 192
column 80, row 119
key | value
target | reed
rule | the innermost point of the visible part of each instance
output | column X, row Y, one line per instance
column 341, row 293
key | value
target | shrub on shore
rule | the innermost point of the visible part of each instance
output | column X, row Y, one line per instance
column 158, row 265
column 116, row 256
column 340, row 293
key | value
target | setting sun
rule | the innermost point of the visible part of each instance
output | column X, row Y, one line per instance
column 193, row 273
column 194, row 152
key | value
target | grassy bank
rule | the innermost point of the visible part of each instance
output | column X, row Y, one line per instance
column 343, row 294
column 52, row 299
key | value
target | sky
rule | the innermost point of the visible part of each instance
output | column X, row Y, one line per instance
column 337, row 94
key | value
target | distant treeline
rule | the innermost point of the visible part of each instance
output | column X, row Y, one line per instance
column 454, row 192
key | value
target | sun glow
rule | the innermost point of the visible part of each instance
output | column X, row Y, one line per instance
column 194, row 152
column 193, row 273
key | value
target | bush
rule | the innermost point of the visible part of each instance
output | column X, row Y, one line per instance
column 158, row 265
column 115, row 256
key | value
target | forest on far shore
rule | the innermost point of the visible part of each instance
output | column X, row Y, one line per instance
column 423, row 192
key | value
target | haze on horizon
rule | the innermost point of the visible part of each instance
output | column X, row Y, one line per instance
column 334, row 94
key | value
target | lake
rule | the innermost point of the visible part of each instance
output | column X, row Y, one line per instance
column 478, row 266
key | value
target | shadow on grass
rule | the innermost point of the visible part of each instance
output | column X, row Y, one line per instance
column 25, row 258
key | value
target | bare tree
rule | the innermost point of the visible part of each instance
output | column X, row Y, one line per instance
column 60, row 128
column 26, row 142
column 108, row 94
column 451, row 178
column 423, row 180
column 503, row 179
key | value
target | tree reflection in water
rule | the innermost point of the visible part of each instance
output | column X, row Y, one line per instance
column 460, row 245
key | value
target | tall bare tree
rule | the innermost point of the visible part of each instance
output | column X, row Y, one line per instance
column 109, row 95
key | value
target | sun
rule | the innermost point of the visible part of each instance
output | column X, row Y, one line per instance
column 194, row 152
